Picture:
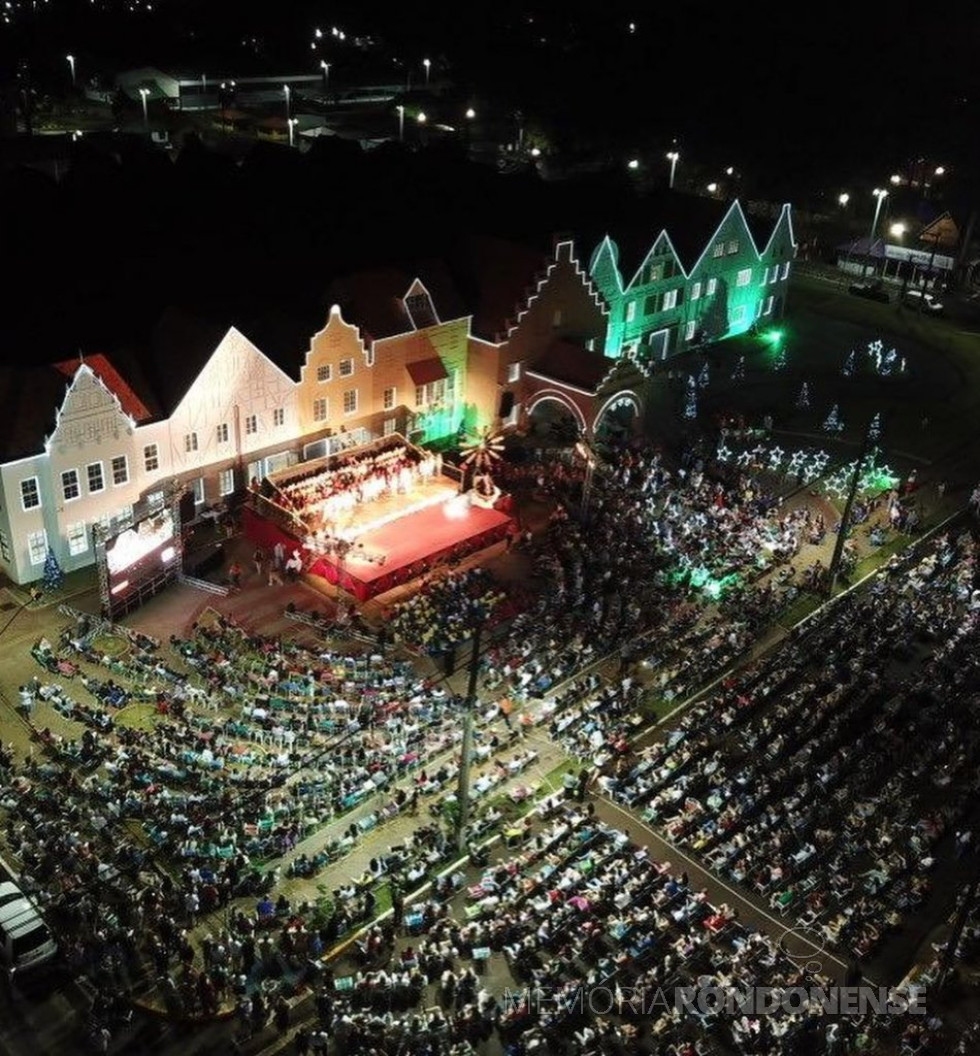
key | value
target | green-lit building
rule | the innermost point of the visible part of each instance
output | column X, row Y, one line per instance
column 701, row 272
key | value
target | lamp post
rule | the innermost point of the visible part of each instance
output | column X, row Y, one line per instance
column 428, row 66
column 144, row 92
column 880, row 194
column 401, row 123
column 71, row 62
column 843, row 198
column 325, row 66
column 291, row 122
column 584, row 450
column 285, row 92
column 673, row 157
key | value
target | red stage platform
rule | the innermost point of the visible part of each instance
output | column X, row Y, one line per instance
column 410, row 545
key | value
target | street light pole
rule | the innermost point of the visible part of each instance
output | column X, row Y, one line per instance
column 880, row 195
column 401, row 123
column 291, row 122
column 285, row 92
column 144, row 92
column 427, row 65
column 672, row 157
column 71, row 63
column 469, row 713
column 325, row 66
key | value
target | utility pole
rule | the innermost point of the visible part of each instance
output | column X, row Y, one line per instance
column 463, row 787
column 845, row 518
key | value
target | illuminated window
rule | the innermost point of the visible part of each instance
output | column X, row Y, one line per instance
column 151, row 458
column 77, row 536
column 785, row 269
column 323, row 372
column 4, row 545
column 320, row 410
column 689, row 330
column 426, row 395
column 251, row 424
column 744, row 277
column 513, row 372
column 775, row 273
column 656, row 272
column 712, row 286
column 96, row 480
column 70, row 487
column 223, row 433
column 670, row 300
column 120, row 470
column 695, row 291
column 190, row 442
column 733, row 247
column 738, row 313
column 226, row 482
column 718, row 249
column 389, row 399
column 390, row 426
column 37, row 546
column 350, row 401
column 630, row 311
column 279, row 416
column 198, row 488
column 30, row 496
column 346, row 368
column 769, row 302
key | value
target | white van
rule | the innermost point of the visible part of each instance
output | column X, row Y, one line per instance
column 25, row 941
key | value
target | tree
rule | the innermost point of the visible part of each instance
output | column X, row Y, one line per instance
column 53, row 576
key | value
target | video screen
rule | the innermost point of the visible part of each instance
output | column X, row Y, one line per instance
column 141, row 552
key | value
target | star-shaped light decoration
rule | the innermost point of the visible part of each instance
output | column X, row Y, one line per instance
column 776, row 456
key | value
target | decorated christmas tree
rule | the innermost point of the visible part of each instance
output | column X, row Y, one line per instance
column 779, row 357
column 738, row 374
column 803, row 400
column 848, row 369
column 874, row 429
column 704, row 378
column 691, row 400
column 53, row 575
column 833, row 423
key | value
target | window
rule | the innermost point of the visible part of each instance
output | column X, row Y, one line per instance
column 515, row 415
column 346, row 368
column 279, row 416
column 689, row 330
column 323, row 372
column 350, row 401
column 718, row 249
column 738, row 314
column 37, row 546
column 198, row 488
column 4, row 545
column 744, row 277
column 320, row 410
column 670, row 299
column 733, row 247
column 389, row 399
column 70, row 487
column 769, row 301
column 652, row 304
column 419, row 395
column 190, row 442
column 775, row 273
column 630, row 311
column 556, row 317
column 452, row 383
column 223, row 433
column 154, row 499
column 656, row 273
column 695, row 291
column 77, row 538
column 30, row 497
column 120, row 470
column 151, row 458
column 251, row 424
column 785, row 274
column 712, row 286
column 96, row 480
column 226, row 482
column 390, row 426
column 513, row 372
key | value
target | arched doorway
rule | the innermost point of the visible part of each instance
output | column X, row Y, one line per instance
column 617, row 417
column 554, row 417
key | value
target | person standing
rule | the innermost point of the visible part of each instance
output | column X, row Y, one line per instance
column 259, row 558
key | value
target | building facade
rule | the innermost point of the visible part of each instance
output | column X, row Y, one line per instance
column 211, row 412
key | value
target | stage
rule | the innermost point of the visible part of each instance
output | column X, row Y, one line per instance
column 396, row 551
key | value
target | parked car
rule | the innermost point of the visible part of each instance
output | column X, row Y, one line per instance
column 922, row 301
column 872, row 290
column 25, row 941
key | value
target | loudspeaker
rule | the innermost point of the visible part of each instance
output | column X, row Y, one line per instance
column 506, row 404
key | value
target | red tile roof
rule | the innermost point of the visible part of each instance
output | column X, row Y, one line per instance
column 564, row 361
column 113, row 381
column 425, row 371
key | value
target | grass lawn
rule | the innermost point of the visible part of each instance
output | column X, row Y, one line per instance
column 802, row 607
column 137, row 716
column 110, row 645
